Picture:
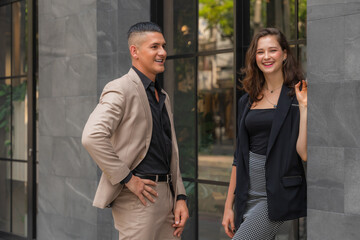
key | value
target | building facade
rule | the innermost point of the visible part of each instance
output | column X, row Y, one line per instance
column 56, row 57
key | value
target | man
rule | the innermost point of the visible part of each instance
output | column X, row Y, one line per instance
column 131, row 137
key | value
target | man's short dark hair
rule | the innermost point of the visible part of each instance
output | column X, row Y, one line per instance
column 142, row 27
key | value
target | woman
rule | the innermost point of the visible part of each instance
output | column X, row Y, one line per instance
column 267, row 184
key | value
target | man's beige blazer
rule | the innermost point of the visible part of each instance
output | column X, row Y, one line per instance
column 117, row 136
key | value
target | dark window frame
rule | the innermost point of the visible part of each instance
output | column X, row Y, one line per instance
column 31, row 128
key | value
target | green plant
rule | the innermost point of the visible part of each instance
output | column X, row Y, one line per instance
column 9, row 94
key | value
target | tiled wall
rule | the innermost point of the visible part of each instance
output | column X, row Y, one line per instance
column 334, row 119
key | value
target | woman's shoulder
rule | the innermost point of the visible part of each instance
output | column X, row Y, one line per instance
column 244, row 98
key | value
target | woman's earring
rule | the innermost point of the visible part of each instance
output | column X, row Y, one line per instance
column 284, row 61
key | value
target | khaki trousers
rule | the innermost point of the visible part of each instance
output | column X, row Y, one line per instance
column 134, row 221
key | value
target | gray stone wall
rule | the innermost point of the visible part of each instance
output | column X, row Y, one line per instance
column 334, row 119
column 82, row 46
column 67, row 93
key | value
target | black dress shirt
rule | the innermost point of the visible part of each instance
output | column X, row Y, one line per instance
column 158, row 157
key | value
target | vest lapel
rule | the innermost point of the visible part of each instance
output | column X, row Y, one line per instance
column 281, row 111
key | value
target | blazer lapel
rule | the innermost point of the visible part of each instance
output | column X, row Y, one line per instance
column 281, row 111
column 143, row 97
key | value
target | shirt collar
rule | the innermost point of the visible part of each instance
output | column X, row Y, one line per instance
column 144, row 79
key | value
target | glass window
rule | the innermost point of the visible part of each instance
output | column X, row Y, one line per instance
column 5, row 41
column 14, row 118
column 5, row 190
column 211, row 208
column 5, row 118
column 19, row 39
column 19, row 118
column 179, row 82
column 302, row 19
column 190, row 227
column 19, row 198
column 302, row 57
column 302, row 229
column 216, row 24
column 215, row 116
column 273, row 13
column 180, row 27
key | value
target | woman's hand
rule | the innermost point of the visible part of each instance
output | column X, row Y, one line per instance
column 228, row 222
column 301, row 144
column 301, row 95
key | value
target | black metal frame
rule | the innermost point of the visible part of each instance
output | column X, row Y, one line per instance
column 32, row 163
column 6, row 2
column 9, row 236
column 31, row 92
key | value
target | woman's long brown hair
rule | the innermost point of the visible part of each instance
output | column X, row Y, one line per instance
column 254, row 80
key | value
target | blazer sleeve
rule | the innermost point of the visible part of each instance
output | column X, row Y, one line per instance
column 98, row 130
column 241, row 107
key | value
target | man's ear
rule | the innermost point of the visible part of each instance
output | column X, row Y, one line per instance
column 133, row 51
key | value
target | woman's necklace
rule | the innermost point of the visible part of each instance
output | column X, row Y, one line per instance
column 274, row 105
column 271, row 91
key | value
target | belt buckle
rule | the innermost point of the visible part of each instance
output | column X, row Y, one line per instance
column 168, row 178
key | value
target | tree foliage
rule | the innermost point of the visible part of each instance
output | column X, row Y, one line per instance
column 219, row 14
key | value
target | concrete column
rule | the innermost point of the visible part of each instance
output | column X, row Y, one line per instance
column 333, row 119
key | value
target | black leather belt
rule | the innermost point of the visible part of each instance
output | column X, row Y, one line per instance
column 155, row 178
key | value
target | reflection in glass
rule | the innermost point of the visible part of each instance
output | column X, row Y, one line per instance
column 5, row 118
column 180, row 27
column 293, row 49
column 216, row 24
column 215, row 116
column 302, row 229
column 190, row 227
column 19, row 38
column 5, row 196
column 302, row 24
column 19, row 198
column 257, row 15
column 211, row 208
column 19, row 119
column 179, row 83
column 5, row 40
column 274, row 13
column 302, row 57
